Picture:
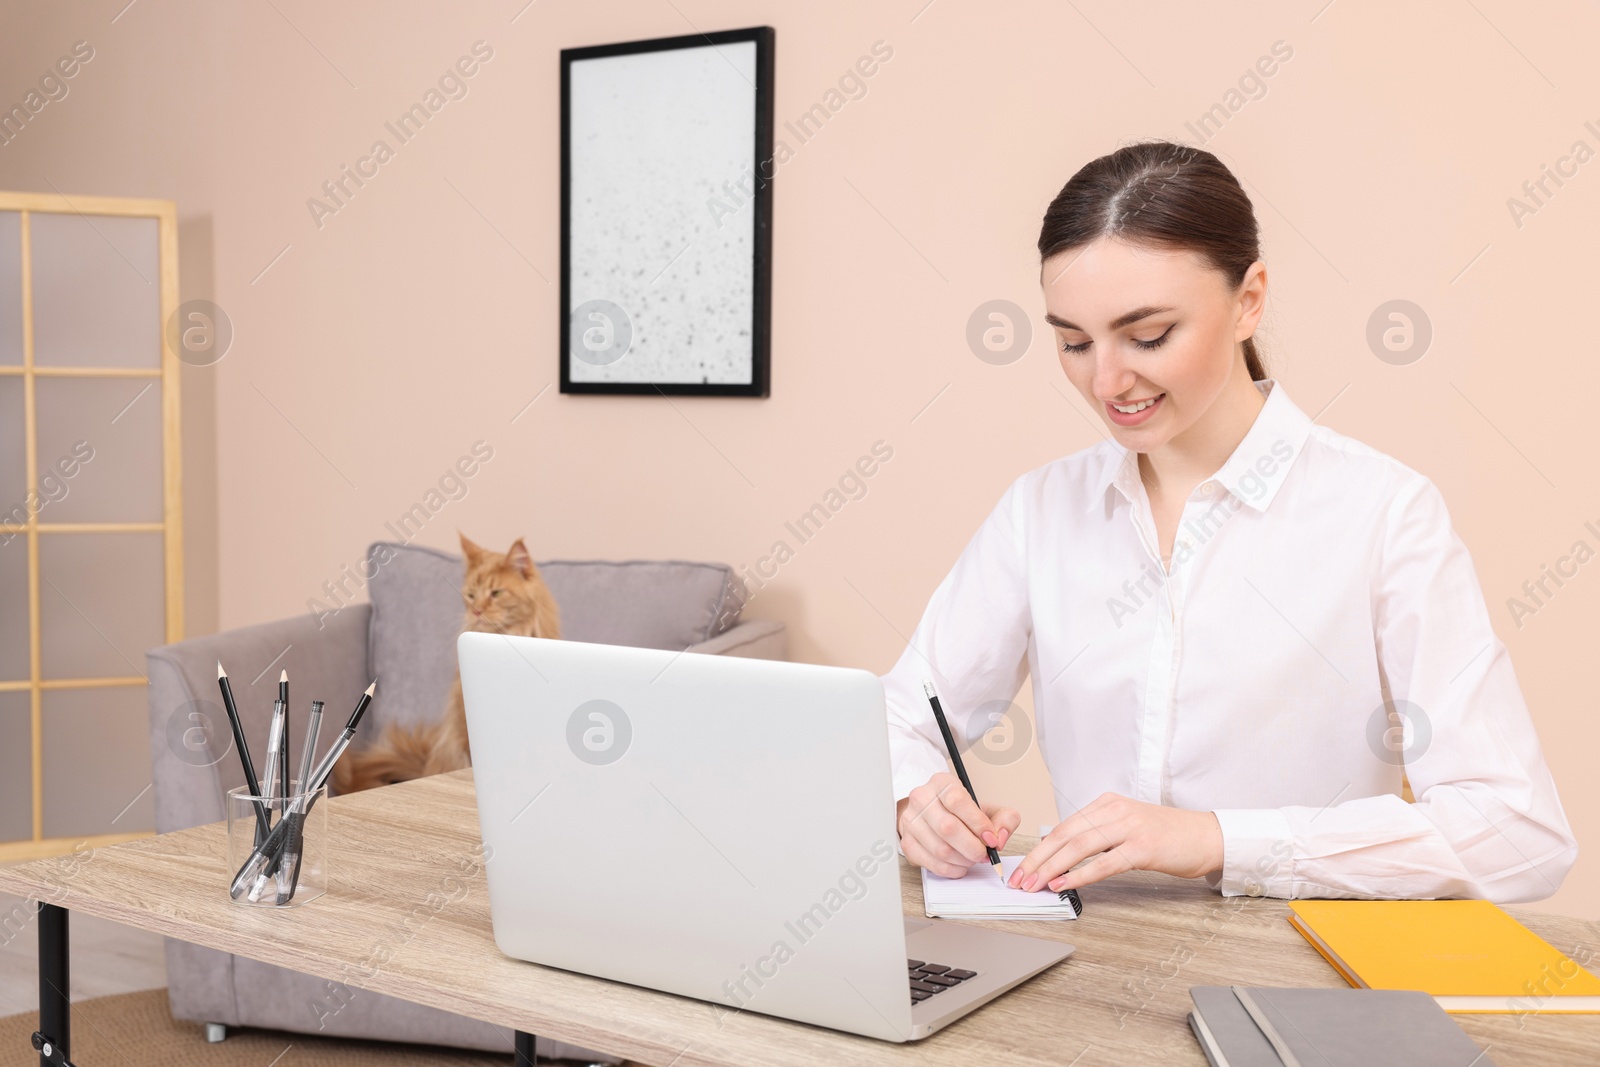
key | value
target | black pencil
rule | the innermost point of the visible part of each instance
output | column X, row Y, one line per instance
column 243, row 746
column 961, row 770
column 1068, row 895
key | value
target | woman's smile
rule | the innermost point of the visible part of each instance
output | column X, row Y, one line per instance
column 1134, row 412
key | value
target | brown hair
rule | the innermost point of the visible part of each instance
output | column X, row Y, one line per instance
column 1160, row 193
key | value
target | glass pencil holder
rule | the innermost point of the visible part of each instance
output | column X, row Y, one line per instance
column 277, row 847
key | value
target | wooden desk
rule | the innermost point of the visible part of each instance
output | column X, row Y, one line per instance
column 1143, row 940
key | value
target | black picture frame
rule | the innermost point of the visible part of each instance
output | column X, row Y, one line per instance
column 760, row 204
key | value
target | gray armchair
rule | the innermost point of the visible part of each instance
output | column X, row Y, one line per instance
column 405, row 638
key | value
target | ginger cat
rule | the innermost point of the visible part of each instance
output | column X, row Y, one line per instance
column 504, row 594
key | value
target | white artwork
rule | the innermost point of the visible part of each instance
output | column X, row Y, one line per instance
column 665, row 276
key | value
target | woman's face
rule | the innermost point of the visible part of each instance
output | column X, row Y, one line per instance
column 1157, row 330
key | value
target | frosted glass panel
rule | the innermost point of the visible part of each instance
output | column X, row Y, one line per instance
column 96, row 291
column 13, row 442
column 16, row 768
column 10, row 288
column 100, row 602
column 99, row 449
column 13, row 609
column 98, row 787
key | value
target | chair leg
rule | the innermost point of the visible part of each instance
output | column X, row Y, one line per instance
column 526, row 1056
column 216, row 1032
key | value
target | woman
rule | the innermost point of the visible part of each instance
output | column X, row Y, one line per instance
column 1225, row 609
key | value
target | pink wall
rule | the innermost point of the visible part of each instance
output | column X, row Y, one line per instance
column 422, row 316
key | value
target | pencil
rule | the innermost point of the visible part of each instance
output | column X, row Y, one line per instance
column 243, row 746
column 1068, row 895
column 961, row 770
column 283, row 752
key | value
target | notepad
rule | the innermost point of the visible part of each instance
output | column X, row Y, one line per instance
column 1468, row 954
column 980, row 895
column 1245, row 1026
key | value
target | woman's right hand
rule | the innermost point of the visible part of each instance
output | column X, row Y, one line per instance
column 942, row 829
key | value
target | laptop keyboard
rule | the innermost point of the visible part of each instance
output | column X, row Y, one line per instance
column 931, row 979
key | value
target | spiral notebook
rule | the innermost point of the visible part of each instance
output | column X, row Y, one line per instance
column 980, row 895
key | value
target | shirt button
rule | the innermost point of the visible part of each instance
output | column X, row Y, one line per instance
column 1208, row 488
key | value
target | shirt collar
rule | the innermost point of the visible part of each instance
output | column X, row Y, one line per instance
column 1254, row 471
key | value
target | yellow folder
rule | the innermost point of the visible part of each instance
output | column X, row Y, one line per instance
column 1469, row 955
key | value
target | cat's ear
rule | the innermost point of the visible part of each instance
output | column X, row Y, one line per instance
column 468, row 549
column 517, row 559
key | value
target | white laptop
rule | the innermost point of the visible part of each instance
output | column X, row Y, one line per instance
column 712, row 826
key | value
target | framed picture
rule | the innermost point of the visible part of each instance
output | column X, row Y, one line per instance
column 666, row 215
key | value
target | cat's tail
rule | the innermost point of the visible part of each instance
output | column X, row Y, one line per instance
column 398, row 755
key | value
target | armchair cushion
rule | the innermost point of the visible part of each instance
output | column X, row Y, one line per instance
column 417, row 611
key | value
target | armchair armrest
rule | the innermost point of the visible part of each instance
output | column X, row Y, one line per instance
column 191, row 744
column 755, row 638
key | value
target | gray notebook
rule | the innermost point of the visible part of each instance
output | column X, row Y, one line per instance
column 1252, row 1026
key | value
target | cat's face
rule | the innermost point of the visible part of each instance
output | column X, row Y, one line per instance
column 501, row 590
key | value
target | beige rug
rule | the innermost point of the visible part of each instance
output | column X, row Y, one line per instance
column 136, row 1030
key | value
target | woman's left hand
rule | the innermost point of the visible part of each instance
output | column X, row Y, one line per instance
column 1122, row 834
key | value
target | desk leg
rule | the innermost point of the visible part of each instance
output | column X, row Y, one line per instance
column 55, row 1005
column 526, row 1057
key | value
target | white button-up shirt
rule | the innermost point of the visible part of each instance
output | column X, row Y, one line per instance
column 1321, row 631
